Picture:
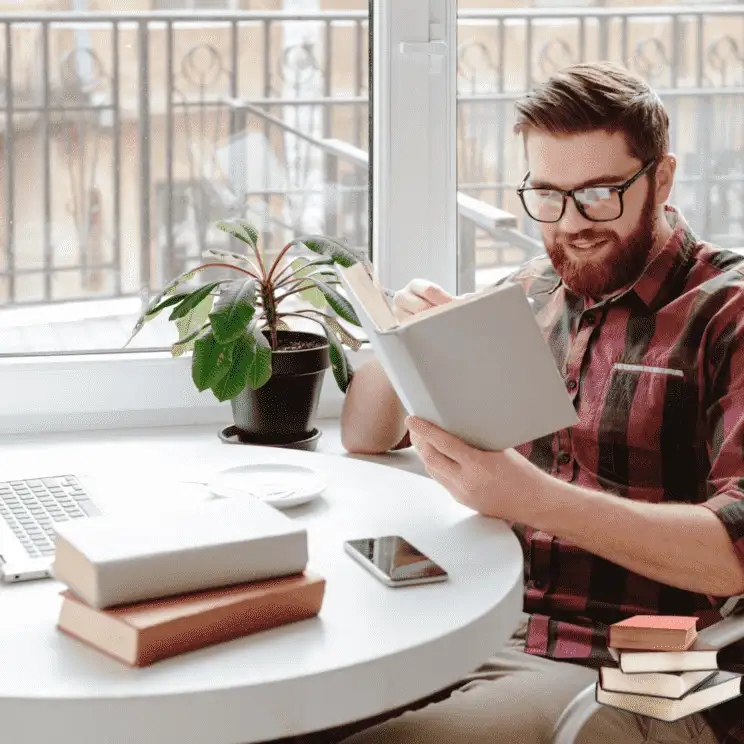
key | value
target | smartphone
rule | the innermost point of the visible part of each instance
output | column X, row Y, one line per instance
column 394, row 561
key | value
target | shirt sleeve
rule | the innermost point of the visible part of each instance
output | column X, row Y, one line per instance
column 724, row 374
column 404, row 443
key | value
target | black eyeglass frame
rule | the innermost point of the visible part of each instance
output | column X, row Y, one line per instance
column 620, row 189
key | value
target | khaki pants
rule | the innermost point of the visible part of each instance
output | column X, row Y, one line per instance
column 515, row 698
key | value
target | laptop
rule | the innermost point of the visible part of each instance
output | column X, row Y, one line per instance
column 29, row 510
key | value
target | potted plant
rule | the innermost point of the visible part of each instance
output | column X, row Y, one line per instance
column 243, row 349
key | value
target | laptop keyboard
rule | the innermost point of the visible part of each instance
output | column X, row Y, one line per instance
column 31, row 507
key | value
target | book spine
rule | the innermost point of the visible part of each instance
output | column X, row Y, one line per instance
column 227, row 623
column 168, row 574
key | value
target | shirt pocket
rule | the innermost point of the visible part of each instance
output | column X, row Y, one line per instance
column 643, row 423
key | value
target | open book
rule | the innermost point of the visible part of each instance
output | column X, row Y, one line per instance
column 477, row 366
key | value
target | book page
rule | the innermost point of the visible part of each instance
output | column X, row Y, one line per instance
column 451, row 305
column 368, row 295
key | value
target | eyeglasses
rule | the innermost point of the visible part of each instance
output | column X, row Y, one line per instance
column 595, row 203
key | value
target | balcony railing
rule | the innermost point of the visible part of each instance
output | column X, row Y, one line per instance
column 125, row 135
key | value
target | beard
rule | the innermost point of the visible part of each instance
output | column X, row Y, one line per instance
column 620, row 263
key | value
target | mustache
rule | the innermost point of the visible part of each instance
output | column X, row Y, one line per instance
column 585, row 236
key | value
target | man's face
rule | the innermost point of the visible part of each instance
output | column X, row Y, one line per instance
column 594, row 259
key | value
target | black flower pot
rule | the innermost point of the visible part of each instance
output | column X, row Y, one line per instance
column 282, row 411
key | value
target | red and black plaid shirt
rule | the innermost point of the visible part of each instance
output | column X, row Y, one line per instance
column 657, row 377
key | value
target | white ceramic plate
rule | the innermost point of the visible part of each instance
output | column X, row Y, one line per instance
column 278, row 484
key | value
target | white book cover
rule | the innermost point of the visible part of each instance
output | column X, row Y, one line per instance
column 701, row 656
column 717, row 689
column 477, row 366
column 121, row 558
column 662, row 684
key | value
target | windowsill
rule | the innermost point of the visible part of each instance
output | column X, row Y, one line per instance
column 120, row 391
column 20, row 447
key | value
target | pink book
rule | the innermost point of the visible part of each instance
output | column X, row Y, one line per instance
column 653, row 633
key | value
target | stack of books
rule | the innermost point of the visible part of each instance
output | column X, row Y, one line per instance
column 664, row 670
column 145, row 588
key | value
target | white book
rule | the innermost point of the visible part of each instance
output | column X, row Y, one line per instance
column 477, row 366
column 662, row 684
column 717, row 689
column 701, row 656
column 123, row 558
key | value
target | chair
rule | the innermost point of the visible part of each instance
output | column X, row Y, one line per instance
column 584, row 705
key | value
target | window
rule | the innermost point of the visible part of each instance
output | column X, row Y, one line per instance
column 193, row 4
column 144, row 129
column 694, row 63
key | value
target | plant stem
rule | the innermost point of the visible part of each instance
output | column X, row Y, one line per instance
column 225, row 266
column 297, row 290
column 278, row 259
column 279, row 276
column 270, row 303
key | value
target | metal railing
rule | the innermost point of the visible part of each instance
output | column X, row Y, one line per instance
column 145, row 127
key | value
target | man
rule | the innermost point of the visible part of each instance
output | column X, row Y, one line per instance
column 639, row 508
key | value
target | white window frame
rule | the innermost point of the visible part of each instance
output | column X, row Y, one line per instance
column 414, row 187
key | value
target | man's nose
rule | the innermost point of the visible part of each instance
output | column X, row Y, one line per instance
column 573, row 221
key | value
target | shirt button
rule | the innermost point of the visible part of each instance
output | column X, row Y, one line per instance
column 589, row 318
column 571, row 384
column 564, row 458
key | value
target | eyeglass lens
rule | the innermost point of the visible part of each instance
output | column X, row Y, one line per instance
column 546, row 205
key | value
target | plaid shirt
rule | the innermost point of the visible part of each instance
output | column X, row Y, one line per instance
column 656, row 373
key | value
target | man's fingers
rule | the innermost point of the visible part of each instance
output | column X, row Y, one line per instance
column 448, row 444
column 437, row 464
column 432, row 293
column 410, row 304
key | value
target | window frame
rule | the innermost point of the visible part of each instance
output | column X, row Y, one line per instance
column 413, row 204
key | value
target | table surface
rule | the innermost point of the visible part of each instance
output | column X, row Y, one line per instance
column 372, row 648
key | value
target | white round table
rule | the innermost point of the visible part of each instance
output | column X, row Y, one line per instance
column 371, row 649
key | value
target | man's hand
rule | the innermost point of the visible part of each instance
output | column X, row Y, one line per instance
column 416, row 296
column 495, row 484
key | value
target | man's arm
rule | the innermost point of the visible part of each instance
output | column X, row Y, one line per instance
column 681, row 545
column 372, row 418
column 694, row 547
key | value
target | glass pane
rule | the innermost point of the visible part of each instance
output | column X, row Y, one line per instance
column 123, row 142
column 695, row 65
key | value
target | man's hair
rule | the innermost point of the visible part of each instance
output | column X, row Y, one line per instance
column 595, row 96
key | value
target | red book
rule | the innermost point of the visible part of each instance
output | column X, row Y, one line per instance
column 653, row 633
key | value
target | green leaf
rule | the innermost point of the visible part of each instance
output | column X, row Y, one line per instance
column 236, row 379
column 191, row 325
column 211, row 363
column 235, row 310
column 333, row 249
column 259, row 369
column 157, row 309
column 340, row 365
column 345, row 337
column 186, row 343
column 337, row 301
column 240, row 229
column 193, row 300
column 169, row 289
column 228, row 256
column 310, row 293
column 302, row 267
column 250, row 229
column 195, row 317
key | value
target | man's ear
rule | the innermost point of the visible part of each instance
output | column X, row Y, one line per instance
column 665, row 177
